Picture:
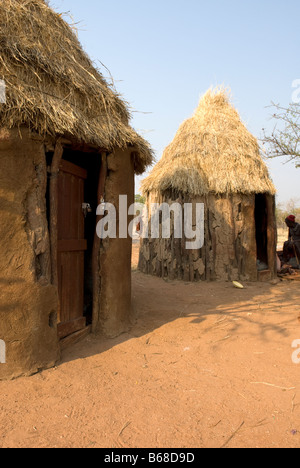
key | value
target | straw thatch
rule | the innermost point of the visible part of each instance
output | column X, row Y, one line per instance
column 53, row 87
column 212, row 152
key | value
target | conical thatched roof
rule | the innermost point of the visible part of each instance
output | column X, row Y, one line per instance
column 212, row 152
column 53, row 87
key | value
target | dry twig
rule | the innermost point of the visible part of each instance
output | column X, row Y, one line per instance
column 233, row 435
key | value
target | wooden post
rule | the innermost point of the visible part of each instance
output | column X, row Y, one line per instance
column 58, row 153
column 54, row 209
column 97, row 243
column 272, row 235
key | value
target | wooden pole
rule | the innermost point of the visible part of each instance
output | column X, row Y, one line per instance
column 97, row 243
column 57, row 157
column 296, row 255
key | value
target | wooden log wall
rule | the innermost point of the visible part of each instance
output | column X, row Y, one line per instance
column 229, row 251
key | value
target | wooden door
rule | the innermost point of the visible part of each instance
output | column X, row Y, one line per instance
column 71, row 246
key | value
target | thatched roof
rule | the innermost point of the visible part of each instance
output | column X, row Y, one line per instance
column 212, row 152
column 53, row 87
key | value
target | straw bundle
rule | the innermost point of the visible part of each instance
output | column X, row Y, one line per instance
column 53, row 87
column 212, row 152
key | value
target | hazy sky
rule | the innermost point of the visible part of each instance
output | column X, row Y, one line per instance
column 164, row 54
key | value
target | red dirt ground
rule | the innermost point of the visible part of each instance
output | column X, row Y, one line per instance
column 204, row 365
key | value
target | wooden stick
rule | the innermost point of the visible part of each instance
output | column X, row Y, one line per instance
column 97, row 243
column 293, row 404
column 57, row 157
column 234, row 434
column 124, row 427
column 58, row 153
column 296, row 255
column 275, row 386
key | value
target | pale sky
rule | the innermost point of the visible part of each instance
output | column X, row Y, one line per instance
column 164, row 54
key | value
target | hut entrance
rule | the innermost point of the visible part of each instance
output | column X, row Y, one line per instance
column 261, row 224
column 71, row 248
column 77, row 202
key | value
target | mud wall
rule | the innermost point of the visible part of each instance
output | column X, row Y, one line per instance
column 113, row 313
column 28, row 301
column 229, row 251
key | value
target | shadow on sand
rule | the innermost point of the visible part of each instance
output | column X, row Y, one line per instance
column 157, row 302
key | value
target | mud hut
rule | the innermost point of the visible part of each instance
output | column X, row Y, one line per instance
column 215, row 161
column 65, row 146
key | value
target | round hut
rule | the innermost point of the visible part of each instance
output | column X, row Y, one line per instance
column 214, row 161
column 65, row 146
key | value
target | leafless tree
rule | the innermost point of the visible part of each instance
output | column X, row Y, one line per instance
column 285, row 138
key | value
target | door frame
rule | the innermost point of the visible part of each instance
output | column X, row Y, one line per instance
column 53, row 218
column 271, row 234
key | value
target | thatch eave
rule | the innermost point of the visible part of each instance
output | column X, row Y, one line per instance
column 52, row 86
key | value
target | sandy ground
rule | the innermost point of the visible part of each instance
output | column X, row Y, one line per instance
column 205, row 365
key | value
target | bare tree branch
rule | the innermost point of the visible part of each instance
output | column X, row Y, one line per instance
column 284, row 141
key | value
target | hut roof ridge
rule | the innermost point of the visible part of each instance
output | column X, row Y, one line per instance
column 212, row 152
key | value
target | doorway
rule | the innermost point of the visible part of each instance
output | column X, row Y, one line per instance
column 77, row 203
column 261, row 226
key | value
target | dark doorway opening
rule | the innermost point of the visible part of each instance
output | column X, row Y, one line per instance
column 261, row 225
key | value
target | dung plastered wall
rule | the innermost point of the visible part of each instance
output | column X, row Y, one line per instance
column 113, row 312
column 28, row 301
